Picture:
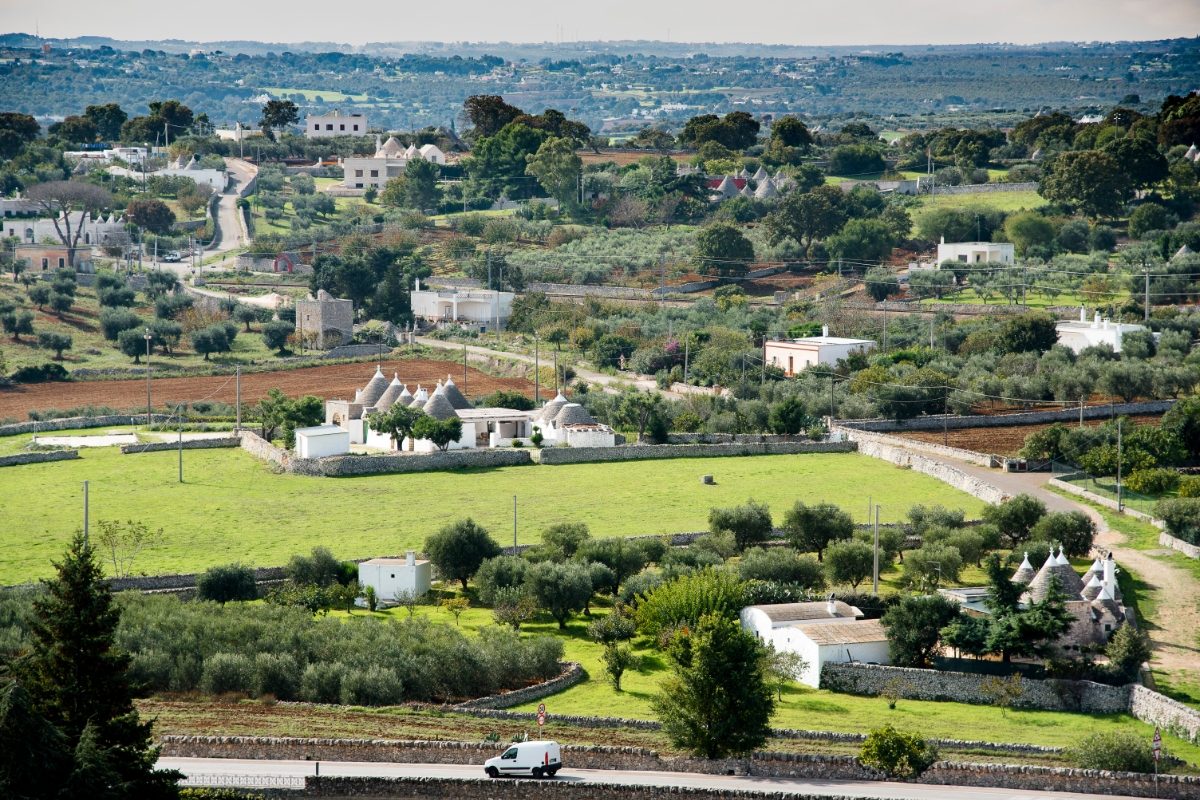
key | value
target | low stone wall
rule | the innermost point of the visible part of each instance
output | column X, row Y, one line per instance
column 777, row 765
column 354, row 351
column 589, row 290
column 955, row 422
column 1060, row 779
column 1179, row 545
column 962, row 687
column 38, row 457
column 986, row 188
column 486, row 789
column 1107, row 502
column 71, row 423
column 572, row 674
column 260, row 448
column 635, row 452
column 189, row 444
column 1155, row 709
column 870, row 444
column 928, row 448
column 344, row 466
column 738, row 438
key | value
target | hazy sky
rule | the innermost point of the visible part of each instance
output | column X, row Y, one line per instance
column 767, row 21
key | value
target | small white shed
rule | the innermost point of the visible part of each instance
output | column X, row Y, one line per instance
column 863, row 641
column 394, row 576
column 322, row 440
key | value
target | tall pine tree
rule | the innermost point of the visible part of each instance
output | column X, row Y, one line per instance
column 78, row 680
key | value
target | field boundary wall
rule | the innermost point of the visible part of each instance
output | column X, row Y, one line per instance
column 190, row 444
column 38, row 457
column 572, row 674
column 881, row 447
column 955, row 422
column 637, row 452
column 71, row 423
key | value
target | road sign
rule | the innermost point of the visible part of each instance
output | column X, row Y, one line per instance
column 541, row 718
column 1157, row 744
column 541, row 708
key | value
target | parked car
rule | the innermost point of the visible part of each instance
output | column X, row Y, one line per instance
column 535, row 759
column 172, row 256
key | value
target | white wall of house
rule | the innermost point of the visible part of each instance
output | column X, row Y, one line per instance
column 976, row 252
column 392, row 576
column 361, row 172
column 322, row 440
column 590, row 436
column 325, row 126
column 474, row 305
column 796, row 355
column 1082, row 334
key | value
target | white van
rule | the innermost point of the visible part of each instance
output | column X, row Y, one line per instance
column 536, row 759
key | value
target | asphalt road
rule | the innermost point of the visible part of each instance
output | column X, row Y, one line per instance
column 251, row 768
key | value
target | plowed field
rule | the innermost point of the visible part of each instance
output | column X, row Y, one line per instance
column 1002, row 441
column 335, row 381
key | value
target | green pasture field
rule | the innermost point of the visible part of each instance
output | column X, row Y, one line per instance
column 233, row 507
column 326, row 95
column 802, row 707
column 1033, row 299
column 1022, row 200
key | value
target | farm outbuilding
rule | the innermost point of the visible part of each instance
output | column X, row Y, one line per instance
column 820, row 632
column 322, row 440
column 394, row 577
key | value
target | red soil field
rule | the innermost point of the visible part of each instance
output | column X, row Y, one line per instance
column 337, row 381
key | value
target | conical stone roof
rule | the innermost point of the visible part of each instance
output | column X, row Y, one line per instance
column 438, row 407
column 761, row 175
column 1092, row 590
column 405, row 397
column 421, row 397
column 452, row 394
column 552, row 407
column 573, row 414
column 390, row 394
column 374, row 388
column 1024, row 573
column 766, row 189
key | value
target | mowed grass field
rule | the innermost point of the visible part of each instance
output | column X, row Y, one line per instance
column 801, row 707
column 232, row 507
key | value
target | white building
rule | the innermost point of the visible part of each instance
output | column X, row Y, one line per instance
column 325, row 126
column 820, row 632
column 390, row 160
column 97, row 230
column 1081, row 334
column 395, row 577
column 795, row 355
column 486, row 308
column 322, row 440
column 976, row 252
column 130, row 155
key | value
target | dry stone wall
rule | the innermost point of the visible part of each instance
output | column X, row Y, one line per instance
column 38, row 457
column 71, row 423
column 1059, row 779
column 343, row 466
column 879, row 447
column 190, row 444
column 1155, row 709
column 1006, row 420
column 962, row 687
column 1179, row 545
column 572, row 674
column 635, row 452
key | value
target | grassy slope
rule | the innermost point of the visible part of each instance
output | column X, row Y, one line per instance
column 1033, row 299
column 802, row 707
column 1002, row 201
column 233, row 507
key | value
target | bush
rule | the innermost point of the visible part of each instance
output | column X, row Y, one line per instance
column 1155, row 481
column 900, row 755
column 685, row 600
column 277, row 675
column 781, row 565
column 322, row 683
column 40, row 374
column 226, row 583
column 227, row 672
column 374, row 686
column 1189, row 486
column 749, row 523
column 502, row 572
column 115, row 320
column 1116, row 751
column 1182, row 516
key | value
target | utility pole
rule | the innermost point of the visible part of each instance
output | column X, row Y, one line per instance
column 875, row 568
column 148, row 339
column 537, row 373
column 1120, row 503
column 556, row 389
column 86, row 542
column 464, row 365
column 831, row 414
column 237, row 372
column 1147, row 310
column 179, row 420
column 686, row 342
column 514, row 524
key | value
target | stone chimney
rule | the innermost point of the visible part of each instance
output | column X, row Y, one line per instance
column 410, row 558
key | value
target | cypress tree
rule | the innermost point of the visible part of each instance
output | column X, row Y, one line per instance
column 78, row 679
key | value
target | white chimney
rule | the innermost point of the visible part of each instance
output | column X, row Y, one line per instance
column 1104, row 324
column 1110, row 575
column 825, row 330
column 410, row 558
column 831, row 606
column 1082, row 314
column 1096, row 320
column 416, row 284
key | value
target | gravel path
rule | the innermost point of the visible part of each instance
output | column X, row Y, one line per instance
column 1173, row 594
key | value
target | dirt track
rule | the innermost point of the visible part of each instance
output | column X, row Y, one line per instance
column 337, row 381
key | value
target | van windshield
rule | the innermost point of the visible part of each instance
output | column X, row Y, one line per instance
column 510, row 753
